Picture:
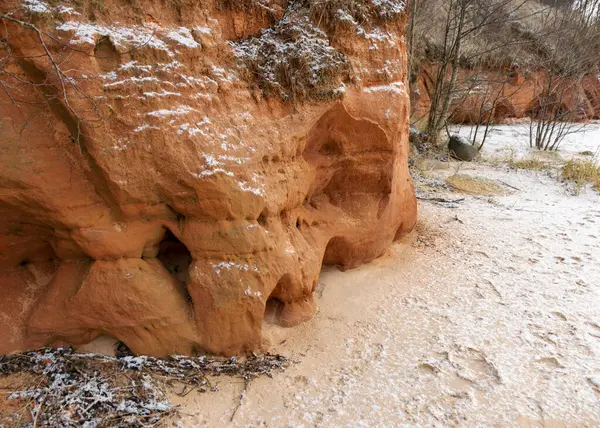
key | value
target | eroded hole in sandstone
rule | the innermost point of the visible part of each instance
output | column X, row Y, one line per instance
column 273, row 310
column 122, row 350
column 275, row 303
column 262, row 219
column 176, row 258
column 353, row 165
column 106, row 54
column 331, row 147
column 337, row 252
column 38, row 253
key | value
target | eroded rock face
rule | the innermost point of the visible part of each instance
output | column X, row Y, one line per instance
column 153, row 190
column 508, row 95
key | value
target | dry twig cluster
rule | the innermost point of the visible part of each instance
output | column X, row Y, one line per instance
column 73, row 390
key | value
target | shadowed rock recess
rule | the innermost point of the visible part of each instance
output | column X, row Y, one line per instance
column 181, row 170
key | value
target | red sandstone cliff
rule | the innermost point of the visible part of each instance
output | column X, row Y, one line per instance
column 171, row 171
column 514, row 95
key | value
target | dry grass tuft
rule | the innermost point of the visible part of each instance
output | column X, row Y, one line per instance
column 582, row 172
column 475, row 185
column 531, row 164
column 294, row 60
column 539, row 161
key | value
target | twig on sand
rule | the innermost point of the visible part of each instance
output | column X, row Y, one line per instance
column 505, row 209
column 441, row 200
column 455, row 218
column 509, row 185
column 446, row 203
column 241, row 400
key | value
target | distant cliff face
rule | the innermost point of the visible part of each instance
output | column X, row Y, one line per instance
column 173, row 172
column 508, row 95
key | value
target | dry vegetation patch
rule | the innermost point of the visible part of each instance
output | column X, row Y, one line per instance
column 538, row 161
column 534, row 164
column 60, row 388
column 335, row 14
column 582, row 172
column 475, row 185
column 294, row 60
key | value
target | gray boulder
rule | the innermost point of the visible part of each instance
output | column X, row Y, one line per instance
column 460, row 148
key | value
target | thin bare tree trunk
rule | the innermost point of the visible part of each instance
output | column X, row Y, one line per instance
column 442, row 117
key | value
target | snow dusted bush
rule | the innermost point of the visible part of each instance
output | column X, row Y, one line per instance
column 294, row 59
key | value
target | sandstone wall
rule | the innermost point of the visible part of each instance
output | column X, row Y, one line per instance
column 156, row 187
column 514, row 93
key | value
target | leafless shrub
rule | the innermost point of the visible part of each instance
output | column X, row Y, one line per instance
column 573, row 33
column 560, row 41
column 460, row 21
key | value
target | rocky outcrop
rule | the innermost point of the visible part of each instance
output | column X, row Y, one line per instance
column 172, row 172
column 507, row 95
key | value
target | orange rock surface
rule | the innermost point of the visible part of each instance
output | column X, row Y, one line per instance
column 515, row 95
column 152, row 192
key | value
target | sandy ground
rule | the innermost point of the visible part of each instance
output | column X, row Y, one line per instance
column 487, row 315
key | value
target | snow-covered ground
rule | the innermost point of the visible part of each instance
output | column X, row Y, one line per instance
column 514, row 140
column 488, row 315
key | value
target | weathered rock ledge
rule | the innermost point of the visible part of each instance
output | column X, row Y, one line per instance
column 170, row 173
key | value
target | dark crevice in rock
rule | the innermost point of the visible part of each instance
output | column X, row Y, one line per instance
column 262, row 219
column 273, row 310
column 122, row 350
column 275, row 302
column 331, row 147
column 176, row 258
